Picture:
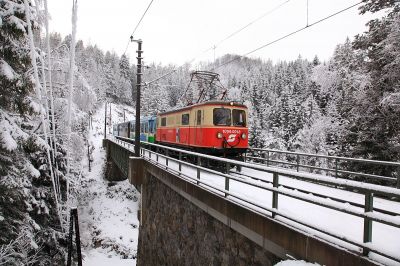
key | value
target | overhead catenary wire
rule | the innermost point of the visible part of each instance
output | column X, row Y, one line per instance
column 265, row 45
column 247, row 25
column 137, row 25
column 287, row 35
column 222, row 41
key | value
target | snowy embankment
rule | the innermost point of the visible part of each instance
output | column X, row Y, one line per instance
column 107, row 210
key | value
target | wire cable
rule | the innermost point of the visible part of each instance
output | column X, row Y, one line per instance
column 247, row 25
column 223, row 40
column 137, row 25
column 265, row 45
column 287, row 35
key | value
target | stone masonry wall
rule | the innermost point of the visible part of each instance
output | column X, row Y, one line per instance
column 176, row 232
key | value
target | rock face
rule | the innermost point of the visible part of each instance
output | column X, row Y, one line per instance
column 175, row 232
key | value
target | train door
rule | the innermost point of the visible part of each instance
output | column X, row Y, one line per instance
column 198, row 128
column 152, row 130
column 143, row 131
column 184, row 130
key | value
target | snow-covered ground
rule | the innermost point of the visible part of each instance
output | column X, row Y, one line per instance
column 107, row 210
column 295, row 263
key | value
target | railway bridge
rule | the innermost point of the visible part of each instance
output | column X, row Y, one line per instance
column 251, row 213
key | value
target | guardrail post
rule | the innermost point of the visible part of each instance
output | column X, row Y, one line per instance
column 275, row 183
column 157, row 151
column 336, row 167
column 166, row 158
column 368, row 207
column 180, row 164
column 398, row 177
column 297, row 162
column 227, row 168
column 198, row 169
column 267, row 158
column 226, row 185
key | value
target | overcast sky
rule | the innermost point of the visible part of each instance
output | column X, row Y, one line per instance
column 175, row 31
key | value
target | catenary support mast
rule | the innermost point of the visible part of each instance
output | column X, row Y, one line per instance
column 138, row 87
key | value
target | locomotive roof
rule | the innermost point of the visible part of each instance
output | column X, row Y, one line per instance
column 227, row 103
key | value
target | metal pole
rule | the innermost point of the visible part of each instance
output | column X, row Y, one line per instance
column 180, row 164
column 138, row 86
column 336, row 167
column 228, row 167
column 70, row 235
column 274, row 193
column 74, row 212
column 88, row 153
column 198, row 169
column 110, row 116
column 105, row 121
column 368, row 207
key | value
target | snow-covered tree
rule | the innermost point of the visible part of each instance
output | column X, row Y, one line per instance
column 27, row 201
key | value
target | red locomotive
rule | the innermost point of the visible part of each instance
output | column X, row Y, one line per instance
column 213, row 127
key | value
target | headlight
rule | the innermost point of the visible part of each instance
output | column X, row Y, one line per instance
column 219, row 135
column 244, row 136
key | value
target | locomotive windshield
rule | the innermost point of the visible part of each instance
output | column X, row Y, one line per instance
column 239, row 118
column 222, row 117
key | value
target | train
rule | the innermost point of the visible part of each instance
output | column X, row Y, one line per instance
column 217, row 128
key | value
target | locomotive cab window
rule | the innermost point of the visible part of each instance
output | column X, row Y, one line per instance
column 185, row 119
column 222, row 117
column 239, row 118
column 163, row 121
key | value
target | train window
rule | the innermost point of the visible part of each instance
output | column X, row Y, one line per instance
column 222, row 117
column 198, row 117
column 142, row 128
column 151, row 126
column 185, row 119
column 146, row 127
column 163, row 121
column 239, row 118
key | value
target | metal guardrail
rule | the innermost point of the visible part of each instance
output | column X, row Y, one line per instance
column 333, row 164
column 366, row 211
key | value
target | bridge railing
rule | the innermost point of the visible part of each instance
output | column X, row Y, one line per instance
column 196, row 172
column 336, row 166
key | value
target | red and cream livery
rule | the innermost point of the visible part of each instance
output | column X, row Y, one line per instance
column 214, row 127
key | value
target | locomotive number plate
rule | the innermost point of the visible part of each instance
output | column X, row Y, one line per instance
column 231, row 131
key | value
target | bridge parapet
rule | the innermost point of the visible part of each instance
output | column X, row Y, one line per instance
column 276, row 239
column 189, row 182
